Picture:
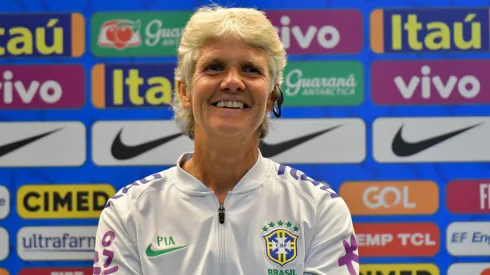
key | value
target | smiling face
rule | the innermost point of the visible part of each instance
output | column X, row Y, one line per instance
column 230, row 89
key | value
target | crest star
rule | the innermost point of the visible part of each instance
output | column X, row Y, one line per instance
column 264, row 228
column 271, row 224
column 280, row 223
column 288, row 224
column 296, row 228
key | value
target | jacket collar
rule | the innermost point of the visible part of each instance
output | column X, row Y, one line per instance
column 250, row 181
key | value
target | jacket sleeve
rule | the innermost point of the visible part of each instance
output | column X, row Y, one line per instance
column 334, row 246
column 115, row 251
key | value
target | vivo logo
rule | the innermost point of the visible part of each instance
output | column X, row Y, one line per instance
column 468, row 86
column 436, row 82
column 42, row 87
column 327, row 37
column 319, row 31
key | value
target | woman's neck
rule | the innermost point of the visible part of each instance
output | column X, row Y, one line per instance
column 220, row 164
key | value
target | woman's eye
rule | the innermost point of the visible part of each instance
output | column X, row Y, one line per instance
column 214, row 67
column 249, row 69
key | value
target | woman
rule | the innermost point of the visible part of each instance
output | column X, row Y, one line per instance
column 225, row 209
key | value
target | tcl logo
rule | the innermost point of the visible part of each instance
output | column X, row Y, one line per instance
column 57, row 271
column 468, row 196
column 416, row 239
column 391, row 197
column 397, row 239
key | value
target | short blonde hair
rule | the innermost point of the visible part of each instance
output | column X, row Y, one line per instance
column 214, row 22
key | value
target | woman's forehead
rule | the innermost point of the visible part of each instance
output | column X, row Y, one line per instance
column 231, row 49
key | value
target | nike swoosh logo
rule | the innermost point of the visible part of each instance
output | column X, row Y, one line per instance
column 10, row 147
column 270, row 150
column 403, row 148
column 153, row 253
column 122, row 151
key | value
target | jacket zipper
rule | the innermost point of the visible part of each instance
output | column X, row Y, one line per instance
column 221, row 236
column 221, row 214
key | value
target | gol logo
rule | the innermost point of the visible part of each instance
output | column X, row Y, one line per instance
column 63, row 201
column 391, row 197
column 399, row 269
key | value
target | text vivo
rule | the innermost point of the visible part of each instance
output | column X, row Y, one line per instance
column 304, row 39
column 50, row 91
column 468, row 86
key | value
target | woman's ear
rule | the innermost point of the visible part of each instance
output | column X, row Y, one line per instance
column 271, row 100
column 185, row 95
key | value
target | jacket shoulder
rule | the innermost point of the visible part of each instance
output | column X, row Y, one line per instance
column 316, row 190
column 131, row 192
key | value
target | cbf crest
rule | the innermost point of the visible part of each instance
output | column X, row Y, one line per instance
column 281, row 241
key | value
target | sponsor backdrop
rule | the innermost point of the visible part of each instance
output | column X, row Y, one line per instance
column 386, row 101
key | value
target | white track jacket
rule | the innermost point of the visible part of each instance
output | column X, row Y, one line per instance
column 276, row 221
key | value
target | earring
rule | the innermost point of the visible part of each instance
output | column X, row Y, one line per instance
column 279, row 102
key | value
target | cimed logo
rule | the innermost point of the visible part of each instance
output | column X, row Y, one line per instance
column 281, row 241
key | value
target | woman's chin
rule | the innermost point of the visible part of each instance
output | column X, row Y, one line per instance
column 229, row 128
